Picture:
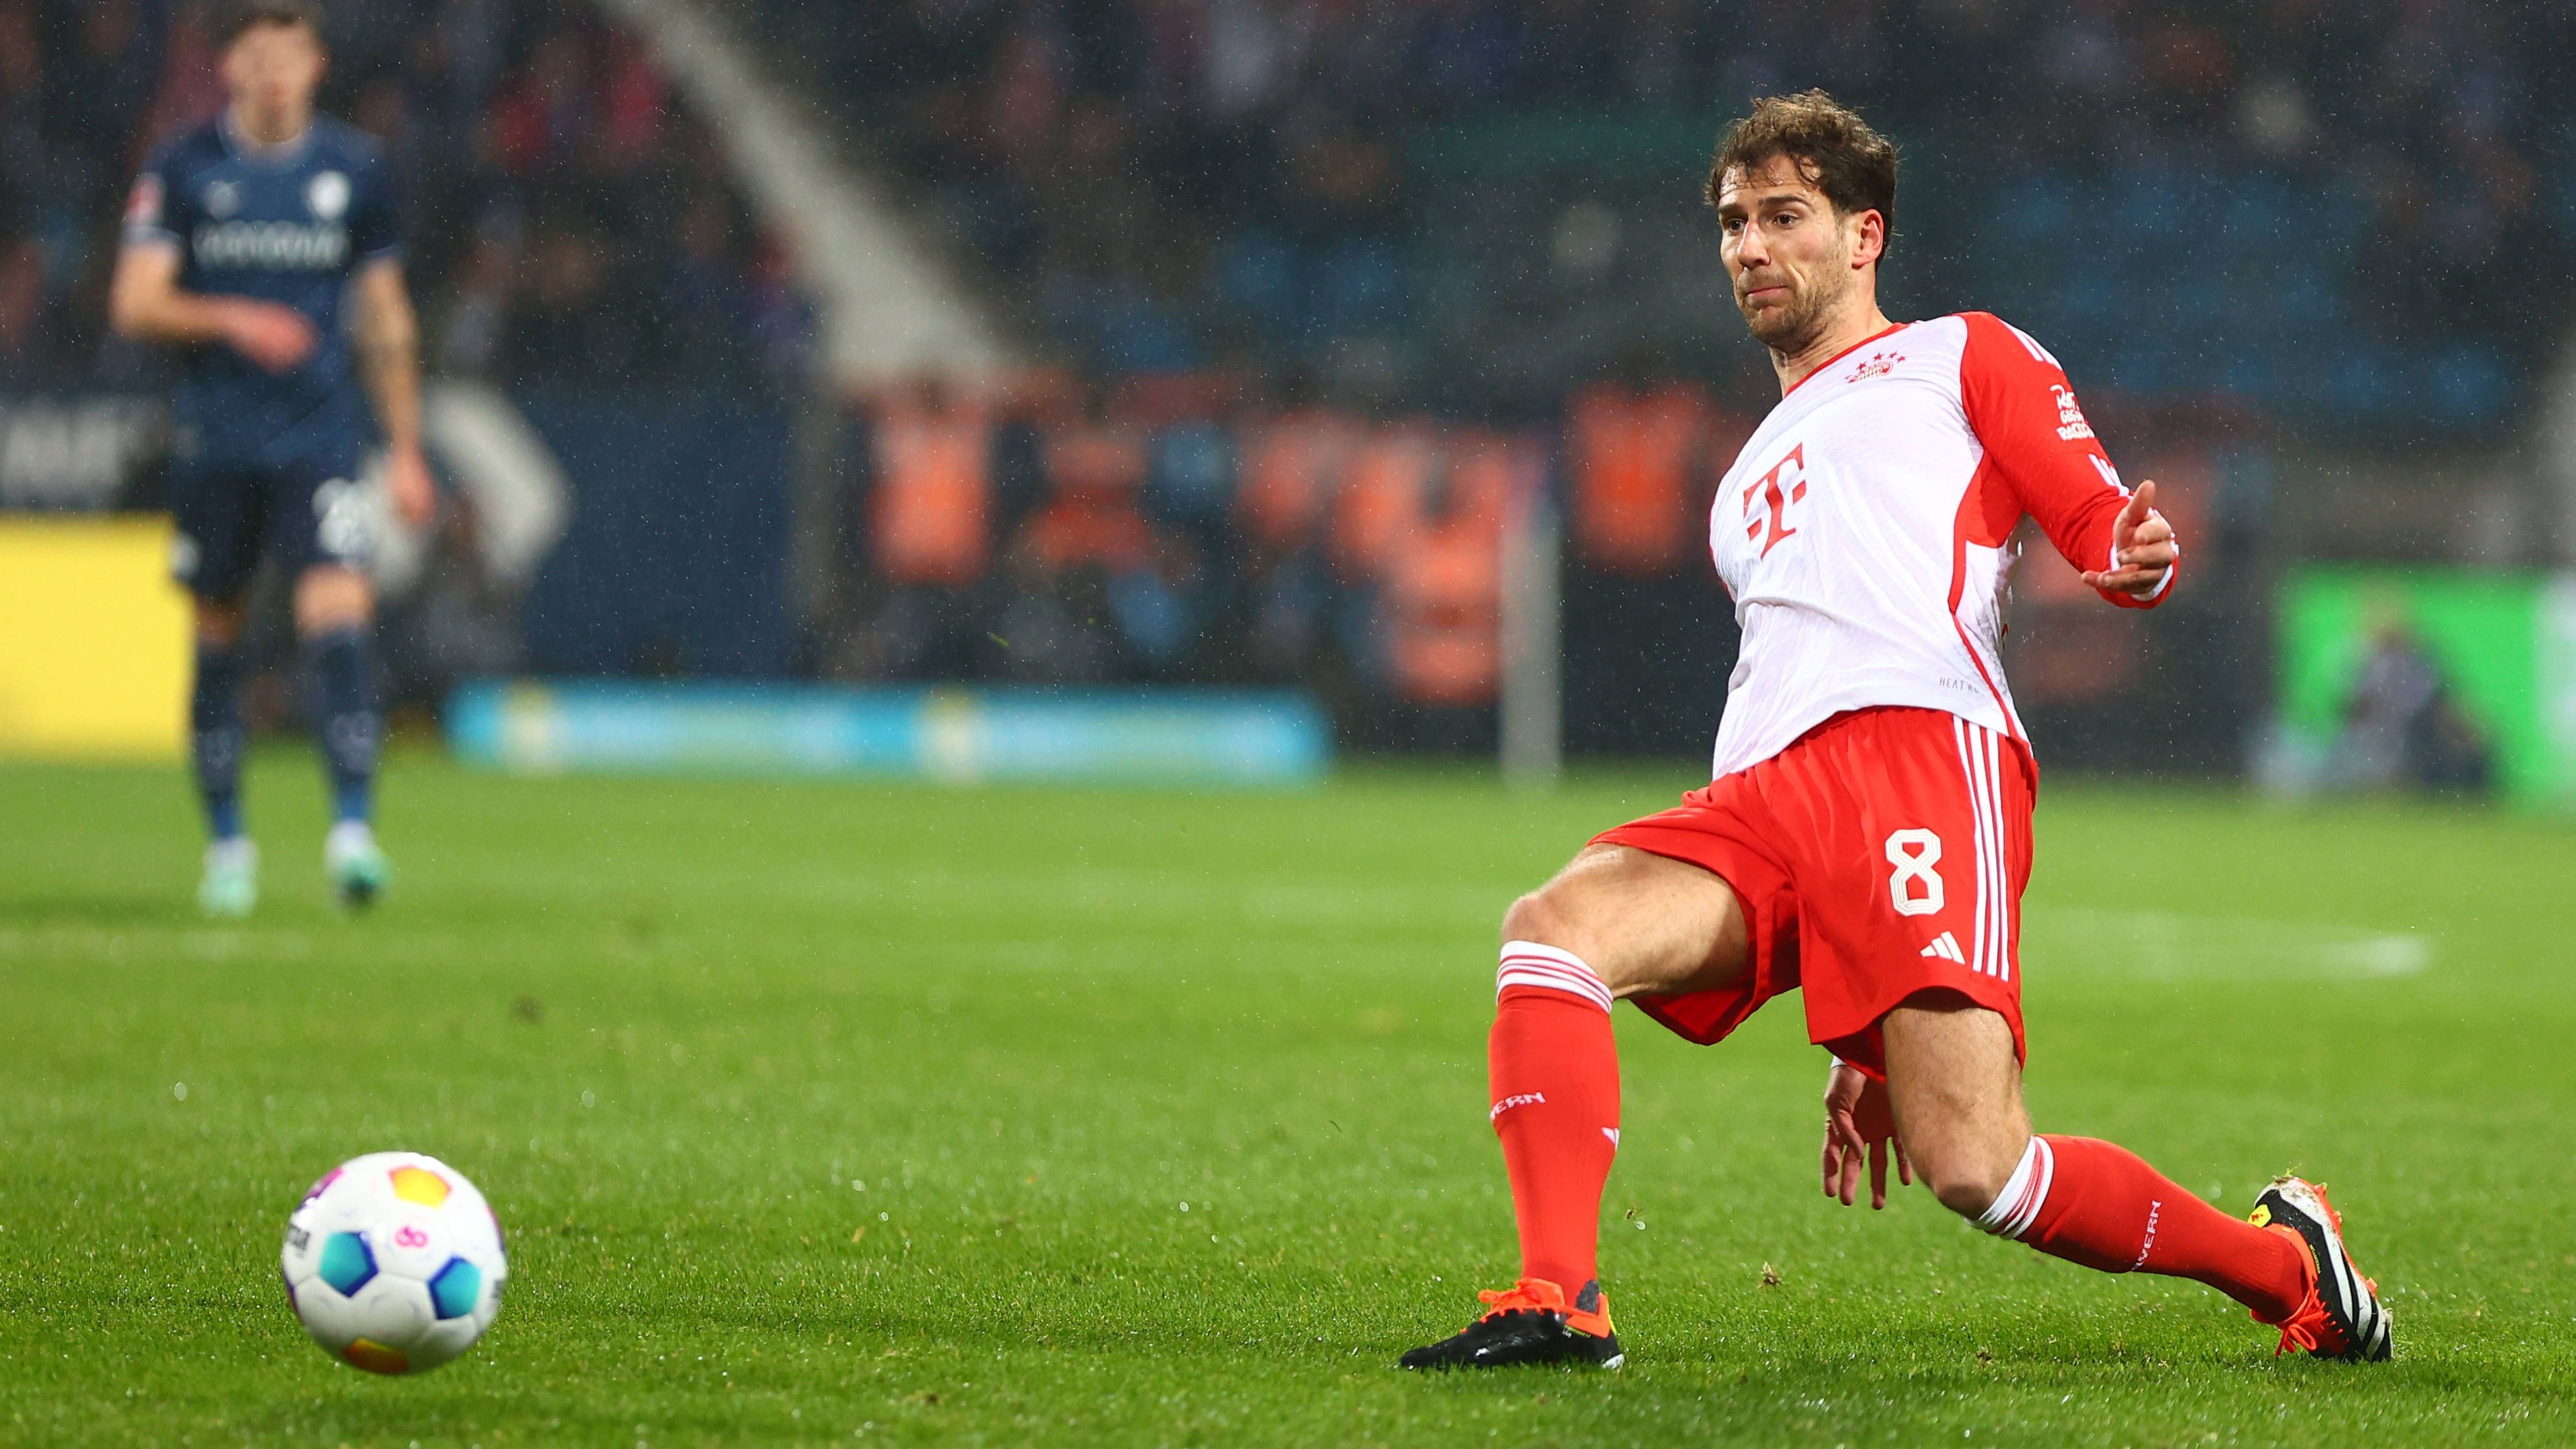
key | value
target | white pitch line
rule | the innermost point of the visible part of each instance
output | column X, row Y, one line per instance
column 2175, row 946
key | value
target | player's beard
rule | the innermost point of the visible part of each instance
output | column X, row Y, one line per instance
column 1791, row 329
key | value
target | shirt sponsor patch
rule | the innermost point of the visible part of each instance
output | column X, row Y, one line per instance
column 2070, row 418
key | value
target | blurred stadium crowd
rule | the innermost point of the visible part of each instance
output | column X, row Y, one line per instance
column 569, row 219
column 1208, row 528
column 1335, row 291
column 2188, row 199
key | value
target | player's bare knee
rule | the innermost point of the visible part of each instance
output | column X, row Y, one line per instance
column 1965, row 1172
column 332, row 598
column 1971, row 1192
column 1546, row 917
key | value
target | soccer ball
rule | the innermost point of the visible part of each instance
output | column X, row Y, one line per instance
column 394, row 1262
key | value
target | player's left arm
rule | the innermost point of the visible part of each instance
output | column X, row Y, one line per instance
column 389, row 340
column 2034, row 433
column 389, row 354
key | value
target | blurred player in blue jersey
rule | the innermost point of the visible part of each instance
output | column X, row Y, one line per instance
column 243, row 239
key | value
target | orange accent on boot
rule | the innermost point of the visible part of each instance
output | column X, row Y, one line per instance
column 1537, row 1295
column 2309, row 1327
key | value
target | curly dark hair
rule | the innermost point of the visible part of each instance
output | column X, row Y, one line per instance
column 1837, row 151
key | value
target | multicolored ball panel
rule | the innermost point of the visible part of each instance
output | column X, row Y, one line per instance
column 376, row 1358
column 420, row 1185
column 346, row 1263
column 455, row 1288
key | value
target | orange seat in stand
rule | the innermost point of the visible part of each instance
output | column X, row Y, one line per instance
column 1631, row 457
column 931, row 514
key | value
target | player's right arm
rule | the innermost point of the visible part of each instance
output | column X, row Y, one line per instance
column 2035, row 435
column 146, row 302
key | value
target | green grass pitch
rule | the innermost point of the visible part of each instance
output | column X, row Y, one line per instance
column 1169, row 1111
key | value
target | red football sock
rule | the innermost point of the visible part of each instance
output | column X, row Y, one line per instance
column 2098, row 1204
column 1555, row 1076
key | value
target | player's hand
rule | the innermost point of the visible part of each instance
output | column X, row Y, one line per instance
column 1859, row 1125
column 275, row 336
column 2142, row 545
column 409, row 486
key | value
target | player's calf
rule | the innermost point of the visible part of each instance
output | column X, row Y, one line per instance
column 215, row 736
column 1954, row 1085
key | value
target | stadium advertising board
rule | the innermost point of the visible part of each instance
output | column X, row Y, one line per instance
column 1172, row 736
column 75, row 452
column 93, row 639
column 2444, row 678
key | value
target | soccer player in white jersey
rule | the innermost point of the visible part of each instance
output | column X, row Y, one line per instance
column 1866, row 835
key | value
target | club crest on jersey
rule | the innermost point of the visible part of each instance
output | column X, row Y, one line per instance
column 1769, row 499
column 2070, row 418
column 328, row 195
column 1878, row 365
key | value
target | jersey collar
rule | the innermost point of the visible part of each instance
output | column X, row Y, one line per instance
column 243, row 147
column 1890, row 330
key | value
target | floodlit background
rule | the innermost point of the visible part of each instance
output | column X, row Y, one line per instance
column 1376, row 349
column 995, row 557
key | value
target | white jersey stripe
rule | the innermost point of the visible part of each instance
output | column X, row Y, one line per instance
column 1960, row 729
column 1989, row 810
column 1981, row 746
column 1995, row 745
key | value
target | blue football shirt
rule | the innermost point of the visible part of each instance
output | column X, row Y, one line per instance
column 289, row 224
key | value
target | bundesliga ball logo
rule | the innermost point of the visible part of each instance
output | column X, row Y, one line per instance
column 394, row 1263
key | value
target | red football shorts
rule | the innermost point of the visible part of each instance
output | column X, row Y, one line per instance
column 1882, row 854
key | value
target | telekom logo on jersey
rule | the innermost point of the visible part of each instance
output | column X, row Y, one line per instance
column 1776, row 492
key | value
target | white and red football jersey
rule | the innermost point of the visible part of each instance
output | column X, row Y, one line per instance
column 1866, row 529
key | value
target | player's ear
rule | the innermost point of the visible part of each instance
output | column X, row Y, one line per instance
column 1869, row 238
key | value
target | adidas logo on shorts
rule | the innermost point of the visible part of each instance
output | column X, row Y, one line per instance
column 1946, row 947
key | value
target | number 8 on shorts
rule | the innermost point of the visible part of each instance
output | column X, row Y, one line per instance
column 1914, row 885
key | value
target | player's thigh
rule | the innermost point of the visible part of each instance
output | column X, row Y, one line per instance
column 1644, row 923
column 1954, row 1081
column 217, row 519
column 318, row 518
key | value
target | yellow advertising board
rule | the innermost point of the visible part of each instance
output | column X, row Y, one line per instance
column 94, row 639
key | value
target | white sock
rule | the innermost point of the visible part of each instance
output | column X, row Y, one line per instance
column 1527, row 963
column 2011, row 1213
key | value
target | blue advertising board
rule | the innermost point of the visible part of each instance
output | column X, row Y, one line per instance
column 1148, row 736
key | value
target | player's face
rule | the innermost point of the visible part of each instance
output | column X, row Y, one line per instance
column 272, row 72
column 1787, row 252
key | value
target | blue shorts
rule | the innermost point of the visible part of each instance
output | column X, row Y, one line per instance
column 301, row 514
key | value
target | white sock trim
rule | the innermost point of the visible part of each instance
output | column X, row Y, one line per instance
column 2017, row 1206
column 1527, row 963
